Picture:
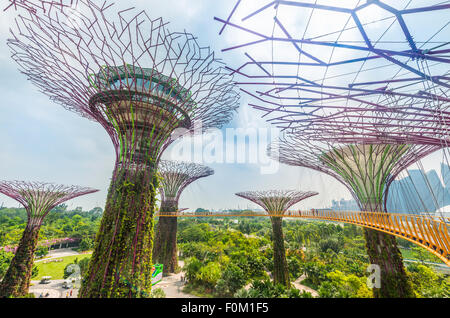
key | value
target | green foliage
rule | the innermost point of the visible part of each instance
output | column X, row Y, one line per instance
column 5, row 260
column 195, row 233
column 427, row 283
column 86, row 244
column 192, row 267
column 330, row 244
column 209, row 274
column 59, row 223
column 34, row 271
column 157, row 293
column 267, row 289
column 340, row 285
column 233, row 278
column 41, row 251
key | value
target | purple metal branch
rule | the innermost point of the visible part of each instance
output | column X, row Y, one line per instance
column 39, row 198
column 276, row 201
column 177, row 175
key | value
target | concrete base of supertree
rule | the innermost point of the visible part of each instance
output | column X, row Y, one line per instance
column 16, row 281
column 121, row 263
column 280, row 267
column 165, row 247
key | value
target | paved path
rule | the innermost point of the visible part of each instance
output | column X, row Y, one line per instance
column 173, row 286
column 54, row 289
column 303, row 287
column 62, row 252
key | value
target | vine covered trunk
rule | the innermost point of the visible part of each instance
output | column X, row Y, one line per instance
column 165, row 248
column 383, row 251
column 280, row 268
column 16, row 281
column 367, row 169
column 122, row 260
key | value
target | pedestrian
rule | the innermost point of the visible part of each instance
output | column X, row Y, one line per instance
column 71, row 293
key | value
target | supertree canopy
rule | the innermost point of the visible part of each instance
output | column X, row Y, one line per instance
column 38, row 199
column 360, row 98
column 276, row 202
column 175, row 177
column 369, row 52
column 366, row 167
column 140, row 82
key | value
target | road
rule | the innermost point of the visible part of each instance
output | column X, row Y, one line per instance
column 171, row 285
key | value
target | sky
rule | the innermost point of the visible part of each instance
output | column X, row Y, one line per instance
column 41, row 141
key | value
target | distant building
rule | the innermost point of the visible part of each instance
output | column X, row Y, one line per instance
column 344, row 205
column 420, row 192
column 417, row 193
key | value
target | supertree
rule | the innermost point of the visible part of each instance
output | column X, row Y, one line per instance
column 356, row 104
column 366, row 165
column 276, row 202
column 140, row 82
column 175, row 177
column 38, row 199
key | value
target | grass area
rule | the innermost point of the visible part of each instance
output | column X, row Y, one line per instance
column 56, row 269
column 407, row 253
column 429, row 257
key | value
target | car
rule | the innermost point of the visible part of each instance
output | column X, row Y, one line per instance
column 45, row 280
column 67, row 284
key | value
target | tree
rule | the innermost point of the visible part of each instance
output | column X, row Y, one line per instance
column 5, row 260
column 330, row 244
column 427, row 283
column 86, row 244
column 41, row 251
column 232, row 279
column 192, row 267
column 339, row 285
column 209, row 274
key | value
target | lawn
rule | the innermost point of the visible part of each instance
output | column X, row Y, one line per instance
column 56, row 269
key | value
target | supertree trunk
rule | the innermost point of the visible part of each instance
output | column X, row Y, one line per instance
column 280, row 268
column 122, row 260
column 165, row 248
column 383, row 251
column 276, row 202
column 17, row 278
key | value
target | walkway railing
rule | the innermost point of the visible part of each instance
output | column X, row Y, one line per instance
column 428, row 232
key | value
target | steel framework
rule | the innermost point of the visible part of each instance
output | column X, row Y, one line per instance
column 299, row 70
column 147, row 86
column 175, row 177
column 363, row 107
column 276, row 202
column 38, row 199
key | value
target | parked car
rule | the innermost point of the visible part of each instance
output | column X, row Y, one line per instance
column 45, row 280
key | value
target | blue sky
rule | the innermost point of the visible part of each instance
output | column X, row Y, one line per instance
column 40, row 140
